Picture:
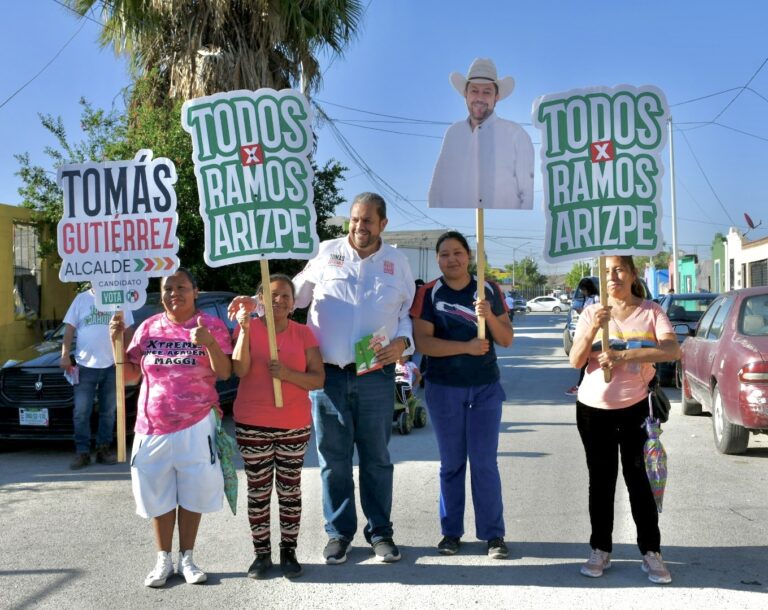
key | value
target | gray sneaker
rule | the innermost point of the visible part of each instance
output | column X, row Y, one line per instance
column 335, row 551
column 386, row 550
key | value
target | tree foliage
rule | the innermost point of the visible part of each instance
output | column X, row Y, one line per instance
column 202, row 47
column 526, row 273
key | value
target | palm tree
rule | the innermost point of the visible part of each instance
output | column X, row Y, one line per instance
column 200, row 47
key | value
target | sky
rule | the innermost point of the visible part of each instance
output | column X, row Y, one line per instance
column 390, row 99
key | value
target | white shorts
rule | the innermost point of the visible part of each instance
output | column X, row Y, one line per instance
column 177, row 469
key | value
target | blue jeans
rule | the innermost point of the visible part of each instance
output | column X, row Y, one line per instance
column 93, row 381
column 351, row 412
column 466, row 423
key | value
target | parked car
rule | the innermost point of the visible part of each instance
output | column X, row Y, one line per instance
column 552, row 304
column 36, row 401
column 725, row 368
column 684, row 311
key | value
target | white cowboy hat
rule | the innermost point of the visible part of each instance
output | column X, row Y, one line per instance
column 483, row 69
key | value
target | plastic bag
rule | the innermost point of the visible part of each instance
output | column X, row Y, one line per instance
column 226, row 448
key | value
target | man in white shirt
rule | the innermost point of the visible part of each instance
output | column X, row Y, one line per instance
column 354, row 286
column 95, row 376
column 485, row 161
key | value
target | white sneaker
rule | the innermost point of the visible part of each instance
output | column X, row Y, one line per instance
column 162, row 570
column 653, row 565
column 187, row 568
column 597, row 562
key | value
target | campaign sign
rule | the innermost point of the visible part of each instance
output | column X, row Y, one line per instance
column 118, row 227
column 254, row 178
column 602, row 170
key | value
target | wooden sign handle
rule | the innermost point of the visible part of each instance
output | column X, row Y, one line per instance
column 119, row 354
column 605, row 336
column 269, row 316
column 479, row 221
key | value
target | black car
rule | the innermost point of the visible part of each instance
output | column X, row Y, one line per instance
column 36, row 401
column 683, row 310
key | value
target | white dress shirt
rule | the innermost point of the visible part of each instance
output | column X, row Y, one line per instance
column 488, row 167
column 352, row 297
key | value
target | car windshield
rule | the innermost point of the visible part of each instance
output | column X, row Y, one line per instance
column 754, row 316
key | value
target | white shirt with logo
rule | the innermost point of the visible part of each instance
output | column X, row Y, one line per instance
column 94, row 347
column 351, row 297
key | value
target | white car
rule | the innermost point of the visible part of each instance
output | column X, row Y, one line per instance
column 552, row 304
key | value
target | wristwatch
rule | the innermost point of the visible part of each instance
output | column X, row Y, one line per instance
column 407, row 342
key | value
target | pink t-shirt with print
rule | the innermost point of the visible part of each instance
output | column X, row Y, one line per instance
column 179, row 385
column 629, row 382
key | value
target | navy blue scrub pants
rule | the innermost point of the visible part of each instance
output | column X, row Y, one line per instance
column 466, row 423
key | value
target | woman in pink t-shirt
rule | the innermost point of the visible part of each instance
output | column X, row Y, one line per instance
column 273, row 440
column 175, row 473
column 610, row 415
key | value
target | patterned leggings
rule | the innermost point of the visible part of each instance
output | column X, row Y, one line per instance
column 270, row 454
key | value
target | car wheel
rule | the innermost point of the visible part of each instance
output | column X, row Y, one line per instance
column 689, row 405
column 556, row 309
column 567, row 341
column 527, row 310
column 729, row 438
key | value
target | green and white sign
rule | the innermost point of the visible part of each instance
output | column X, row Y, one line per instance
column 602, row 170
column 254, row 177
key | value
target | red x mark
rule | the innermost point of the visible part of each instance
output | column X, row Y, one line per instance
column 251, row 154
column 601, row 151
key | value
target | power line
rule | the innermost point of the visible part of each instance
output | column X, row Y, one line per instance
column 703, row 173
column 401, row 133
column 44, row 68
column 741, row 90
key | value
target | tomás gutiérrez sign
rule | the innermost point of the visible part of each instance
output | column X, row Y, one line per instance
column 118, row 227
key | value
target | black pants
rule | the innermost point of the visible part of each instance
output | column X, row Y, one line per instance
column 606, row 434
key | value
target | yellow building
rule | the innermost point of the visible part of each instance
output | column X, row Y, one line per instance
column 33, row 298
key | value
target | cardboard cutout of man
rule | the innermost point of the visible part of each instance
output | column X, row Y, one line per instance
column 485, row 162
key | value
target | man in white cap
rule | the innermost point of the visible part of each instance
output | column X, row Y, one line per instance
column 485, row 161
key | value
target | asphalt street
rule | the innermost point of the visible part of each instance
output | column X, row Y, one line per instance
column 72, row 539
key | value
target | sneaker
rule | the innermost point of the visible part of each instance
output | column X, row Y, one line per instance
column 81, row 461
column 290, row 567
column 653, row 565
column 335, row 551
column 574, row 391
column 598, row 562
column 260, row 566
column 187, row 568
column 449, row 545
column 104, row 455
column 162, row 570
column 386, row 550
column 497, row 549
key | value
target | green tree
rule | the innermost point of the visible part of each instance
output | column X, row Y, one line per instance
column 40, row 192
column 201, row 47
column 579, row 270
column 527, row 274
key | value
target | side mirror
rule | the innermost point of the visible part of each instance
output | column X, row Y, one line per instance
column 683, row 329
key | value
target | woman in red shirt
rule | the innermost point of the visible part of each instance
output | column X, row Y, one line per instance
column 273, row 440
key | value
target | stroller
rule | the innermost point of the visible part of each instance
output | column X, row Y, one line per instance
column 409, row 412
